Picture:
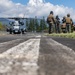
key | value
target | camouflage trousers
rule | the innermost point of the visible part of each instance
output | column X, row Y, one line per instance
column 68, row 28
column 52, row 28
column 58, row 28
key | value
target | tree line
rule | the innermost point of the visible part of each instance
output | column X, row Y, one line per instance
column 2, row 27
column 36, row 25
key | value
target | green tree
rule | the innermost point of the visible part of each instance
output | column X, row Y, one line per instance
column 1, row 26
column 27, row 24
column 31, row 25
column 44, row 23
column 36, row 24
column 41, row 25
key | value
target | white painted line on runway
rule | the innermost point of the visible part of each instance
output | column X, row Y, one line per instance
column 55, row 43
column 9, row 42
column 67, row 54
column 38, row 36
column 24, row 55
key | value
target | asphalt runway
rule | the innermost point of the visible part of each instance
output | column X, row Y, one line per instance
column 36, row 54
column 55, row 58
column 8, row 41
column 65, row 41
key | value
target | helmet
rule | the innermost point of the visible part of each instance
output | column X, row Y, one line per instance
column 51, row 12
column 57, row 16
column 68, row 15
column 64, row 17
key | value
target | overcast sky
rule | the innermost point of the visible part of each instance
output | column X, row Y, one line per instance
column 39, row 8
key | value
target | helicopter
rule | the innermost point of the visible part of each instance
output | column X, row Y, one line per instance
column 16, row 26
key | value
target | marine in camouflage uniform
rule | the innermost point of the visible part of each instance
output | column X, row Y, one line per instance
column 68, row 23
column 51, row 21
column 57, row 25
column 63, row 26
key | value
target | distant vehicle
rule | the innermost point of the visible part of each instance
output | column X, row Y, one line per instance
column 16, row 27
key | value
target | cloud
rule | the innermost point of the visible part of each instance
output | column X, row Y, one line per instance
column 10, row 9
column 34, row 8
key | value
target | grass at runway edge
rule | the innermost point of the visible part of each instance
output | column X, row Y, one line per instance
column 66, row 35
column 3, row 33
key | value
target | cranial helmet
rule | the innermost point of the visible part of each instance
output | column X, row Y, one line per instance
column 57, row 16
column 68, row 15
column 51, row 12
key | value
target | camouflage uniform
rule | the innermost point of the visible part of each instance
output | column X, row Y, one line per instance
column 63, row 26
column 57, row 25
column 68, row 23
column 50, row 21
column 72, row 26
